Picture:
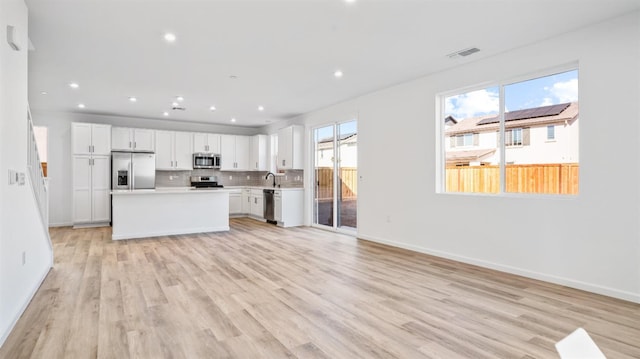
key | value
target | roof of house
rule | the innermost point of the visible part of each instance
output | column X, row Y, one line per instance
column 469, row 155
column 522, row 118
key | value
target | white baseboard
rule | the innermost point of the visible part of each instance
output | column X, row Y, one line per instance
column 568, row 282
column 61, row 224
column 24, row 306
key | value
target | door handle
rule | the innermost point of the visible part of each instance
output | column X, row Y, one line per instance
column 129, row 144
column 135, row 144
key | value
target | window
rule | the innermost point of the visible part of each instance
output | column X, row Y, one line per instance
column 551, row 133
column 495, row 143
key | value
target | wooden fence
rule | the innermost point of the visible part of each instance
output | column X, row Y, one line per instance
column 556, row 178
column 348, row 177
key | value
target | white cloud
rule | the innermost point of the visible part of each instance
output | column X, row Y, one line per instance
column 472, row 104
column 562, row 92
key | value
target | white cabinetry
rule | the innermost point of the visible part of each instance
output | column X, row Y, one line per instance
column 288, row 207
column 234, row 153
column 174, row 151
column 246, row 200
column 257, row 203
column 91, row 145
column 290, row 148
column 206, row 142
column 132, row 139
column 258, row 153
column 235, row 202
column 90, row 139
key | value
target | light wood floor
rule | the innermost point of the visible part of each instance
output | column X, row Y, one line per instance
column 260, row 291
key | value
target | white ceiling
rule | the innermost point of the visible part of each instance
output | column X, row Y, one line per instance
column 284, row 52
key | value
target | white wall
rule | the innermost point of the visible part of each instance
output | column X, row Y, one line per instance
column 591, row 241
column 20, row 227
column 59, row 154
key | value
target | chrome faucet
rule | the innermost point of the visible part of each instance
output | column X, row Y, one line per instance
column 274, row 178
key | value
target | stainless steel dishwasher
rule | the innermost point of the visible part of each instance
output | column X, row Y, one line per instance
column 269, row 205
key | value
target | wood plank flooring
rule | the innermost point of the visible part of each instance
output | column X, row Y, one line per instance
column 260, row 291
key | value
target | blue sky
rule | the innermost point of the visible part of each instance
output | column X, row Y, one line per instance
column 549, row 90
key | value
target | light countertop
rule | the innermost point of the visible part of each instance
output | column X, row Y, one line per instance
column 166, row 190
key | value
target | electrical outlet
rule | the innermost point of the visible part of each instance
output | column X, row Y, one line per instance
column 286, row 178
column 230, row 177
column 170, row 178
column 24, row 258
column 248, row 177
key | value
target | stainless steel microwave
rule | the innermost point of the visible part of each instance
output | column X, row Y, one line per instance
column 206, row 160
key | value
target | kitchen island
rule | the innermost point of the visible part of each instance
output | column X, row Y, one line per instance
column 169, row 211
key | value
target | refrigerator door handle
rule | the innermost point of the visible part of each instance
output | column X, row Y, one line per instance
column 133, row 178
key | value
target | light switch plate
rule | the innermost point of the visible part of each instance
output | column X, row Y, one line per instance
column 13, row 177
column 21, row 179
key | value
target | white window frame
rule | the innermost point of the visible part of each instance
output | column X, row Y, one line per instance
column 440, row 143
column 553, row 133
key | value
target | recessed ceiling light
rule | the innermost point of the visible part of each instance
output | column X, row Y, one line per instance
column 233, row 120
column 165, row 113
column 260, row 108
column 179, row 98
column 233, row 77
column 212, row 108
column 81, row 105
column 175, row 104
column 349, row 1
column 170, row 37
column 74, row 85
column 43, row 92
column 338, row 74
column 133, row 99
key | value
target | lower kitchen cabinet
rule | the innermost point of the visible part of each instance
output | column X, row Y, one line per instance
column 289, row 211
column 246, row 200
column 235, row 202
column 257, row 203
column 91, row 190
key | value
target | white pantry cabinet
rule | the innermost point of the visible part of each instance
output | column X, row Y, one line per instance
column 91, row 190
column 90, row 139
column 234, row 153
column 132, row 139
column 258, row 153
column 174, row 151
column 91, row 164
column 290, row 148
column 206, row 142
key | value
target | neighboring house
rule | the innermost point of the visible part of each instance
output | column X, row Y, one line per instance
column 347, row 147
column 547, row 134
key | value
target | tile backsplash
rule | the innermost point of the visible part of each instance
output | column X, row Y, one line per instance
column 290, row 178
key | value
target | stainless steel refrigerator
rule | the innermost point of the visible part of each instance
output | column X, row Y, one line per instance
column 133, row 170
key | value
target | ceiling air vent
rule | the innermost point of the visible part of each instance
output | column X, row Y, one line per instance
column 178, row 108
column 463, row 53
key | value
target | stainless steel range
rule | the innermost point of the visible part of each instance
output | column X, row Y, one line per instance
column 205, row 182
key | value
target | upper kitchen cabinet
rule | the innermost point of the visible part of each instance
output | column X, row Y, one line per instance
column 206, row 142
column 90, row 139
column 234, row 153
column 258, row 153
column 174, row 151
column 132, row 139
column 290, row 149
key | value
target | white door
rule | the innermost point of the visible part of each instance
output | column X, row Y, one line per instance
column 121, row 139
column 81, row 137
column 242, row 153
column 81, row 189
column 235, row 203
column 227, row 152
column 143, row 140
column 100, row 191
column 246, row 201
column 200, row 142
column 101, row 139
column 285, row 148
column 183, row 151
column 213, row 141
column 164, row 150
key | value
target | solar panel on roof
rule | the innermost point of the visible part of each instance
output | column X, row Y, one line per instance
column 543, row 111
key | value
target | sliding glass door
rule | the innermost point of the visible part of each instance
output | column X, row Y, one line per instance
column 336, row 175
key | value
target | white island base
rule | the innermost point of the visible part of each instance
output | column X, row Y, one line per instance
column 152, row 213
